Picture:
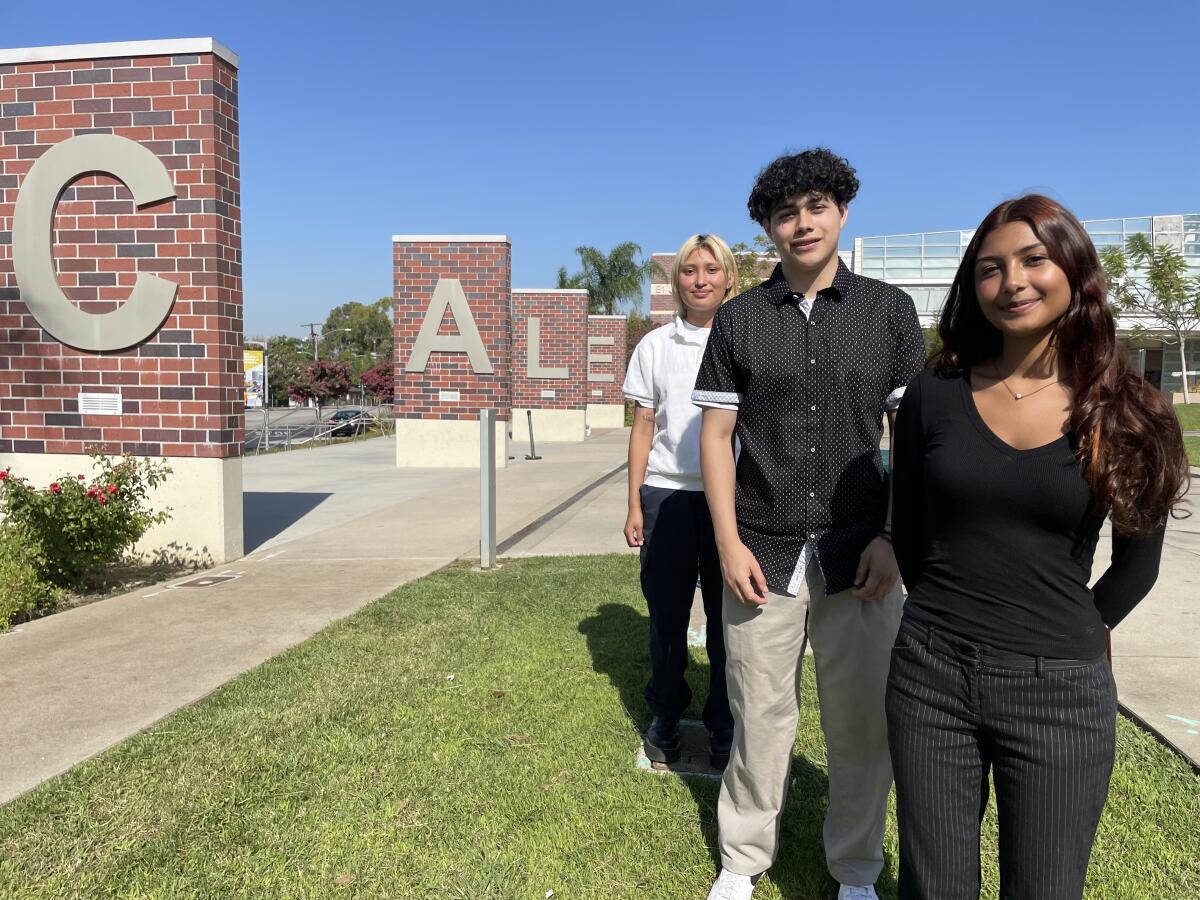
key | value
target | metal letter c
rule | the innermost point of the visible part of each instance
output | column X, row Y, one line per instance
column 152, row 297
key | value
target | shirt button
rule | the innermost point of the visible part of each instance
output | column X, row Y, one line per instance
column 812, row 362
column 813, row 408
column 813, row 536
column 811, row 494
column 812, row 449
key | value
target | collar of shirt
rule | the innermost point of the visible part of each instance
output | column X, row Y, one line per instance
column 780, row 292
column 687, row 333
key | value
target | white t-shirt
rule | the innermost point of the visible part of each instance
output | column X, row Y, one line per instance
column 661, row 376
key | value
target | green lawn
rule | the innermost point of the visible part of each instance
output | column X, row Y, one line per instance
column 472, row 735
column 1193, row 449
column 1189, row 416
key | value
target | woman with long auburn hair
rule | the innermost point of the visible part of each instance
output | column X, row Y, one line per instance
column 1027, row 430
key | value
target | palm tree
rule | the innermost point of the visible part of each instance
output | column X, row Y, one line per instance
column 609, row 279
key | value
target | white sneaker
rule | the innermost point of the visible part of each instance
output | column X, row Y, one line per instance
column 732, row 886
column 850, row 892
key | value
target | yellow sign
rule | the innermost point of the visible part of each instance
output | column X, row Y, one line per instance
column 253, row 362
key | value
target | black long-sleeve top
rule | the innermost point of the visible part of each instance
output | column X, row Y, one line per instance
column 996, row 544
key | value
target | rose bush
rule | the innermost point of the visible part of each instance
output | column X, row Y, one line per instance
column 23, row 592
column 78, row 525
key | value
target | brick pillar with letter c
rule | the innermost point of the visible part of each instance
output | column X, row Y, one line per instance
column 121, row 274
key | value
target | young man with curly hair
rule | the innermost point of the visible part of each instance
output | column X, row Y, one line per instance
column 801, row 370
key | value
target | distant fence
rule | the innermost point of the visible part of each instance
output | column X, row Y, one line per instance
column 293, row 427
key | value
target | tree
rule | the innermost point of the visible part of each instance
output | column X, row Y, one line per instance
column 322, row 381
column 380, row 382
column 609, row 279
column 286, row 356
column 754, row 263
column 933, row 341
column 359, row 334
column 636, row 328
column 1153, row 281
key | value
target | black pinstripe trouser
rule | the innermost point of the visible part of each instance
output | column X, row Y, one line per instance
column 1046, row 728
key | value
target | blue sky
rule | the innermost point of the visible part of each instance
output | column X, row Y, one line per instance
column 562, row 124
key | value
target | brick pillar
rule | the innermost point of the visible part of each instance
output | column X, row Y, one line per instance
column 606, row 372
column 551, row 383
column 448, row 369
column 662, row 304
column 169, row 385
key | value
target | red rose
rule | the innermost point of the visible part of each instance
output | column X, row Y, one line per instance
column 102, row 498
column 4, row 475
column 56, row 488
column 112, row 488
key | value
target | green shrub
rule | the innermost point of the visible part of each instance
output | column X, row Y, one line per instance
column 83, row 526
column 23, row 593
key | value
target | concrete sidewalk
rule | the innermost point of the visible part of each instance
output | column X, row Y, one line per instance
column 330, row 528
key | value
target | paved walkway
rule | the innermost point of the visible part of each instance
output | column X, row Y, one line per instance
column 329, row 529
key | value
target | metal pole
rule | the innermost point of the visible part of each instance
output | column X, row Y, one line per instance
column 532, row 454
column 487, row 488
column 267, row 395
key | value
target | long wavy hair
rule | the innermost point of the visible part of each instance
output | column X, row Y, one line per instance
column 1129, row 441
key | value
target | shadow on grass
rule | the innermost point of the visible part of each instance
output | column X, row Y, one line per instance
column 618, row 640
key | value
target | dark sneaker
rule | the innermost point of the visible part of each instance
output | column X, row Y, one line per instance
column 662, row 741
column 719, row 744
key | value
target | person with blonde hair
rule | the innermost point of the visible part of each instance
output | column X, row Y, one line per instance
column 668, row 515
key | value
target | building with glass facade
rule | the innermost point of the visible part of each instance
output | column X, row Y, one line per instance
column 924, row 265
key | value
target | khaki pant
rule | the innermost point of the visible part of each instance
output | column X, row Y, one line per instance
column 852, row 641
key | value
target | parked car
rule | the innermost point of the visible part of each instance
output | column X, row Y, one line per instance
column 347, row 422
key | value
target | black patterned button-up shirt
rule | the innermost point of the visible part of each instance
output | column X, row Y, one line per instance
column 810, row 390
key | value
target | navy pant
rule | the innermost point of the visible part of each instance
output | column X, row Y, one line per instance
column 678, row 546
column 1045, row 728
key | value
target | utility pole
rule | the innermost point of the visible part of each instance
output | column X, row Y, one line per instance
column 312, row 332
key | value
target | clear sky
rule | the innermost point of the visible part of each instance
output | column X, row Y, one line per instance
column 564, row 123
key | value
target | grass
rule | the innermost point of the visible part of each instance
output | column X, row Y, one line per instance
column 1192, row 445
column 472, row 735
column 1189, row 416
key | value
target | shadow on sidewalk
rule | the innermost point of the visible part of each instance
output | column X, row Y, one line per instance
column 268, row 513
column 618, row 639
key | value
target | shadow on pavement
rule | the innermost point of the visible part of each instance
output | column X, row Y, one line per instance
column 618, row 639
column 268, row 513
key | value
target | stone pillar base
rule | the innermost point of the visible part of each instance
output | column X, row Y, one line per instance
column 549, row 425
column 204, row 496
column 606, row 415
column 445, row 443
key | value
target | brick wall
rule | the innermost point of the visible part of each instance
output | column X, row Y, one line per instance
column 662, row 306
column 608, row 391
column 181, row 389
column 564, row 321
column 483, row 267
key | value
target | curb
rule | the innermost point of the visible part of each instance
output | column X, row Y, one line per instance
column 513, row 539
column 1158, row 735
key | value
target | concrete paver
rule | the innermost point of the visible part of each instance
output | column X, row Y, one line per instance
column 1156, row 650
column 78, row 682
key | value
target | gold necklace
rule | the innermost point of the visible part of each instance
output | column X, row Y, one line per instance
column 1017, row 396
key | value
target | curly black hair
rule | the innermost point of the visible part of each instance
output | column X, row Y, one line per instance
column 815, row 171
